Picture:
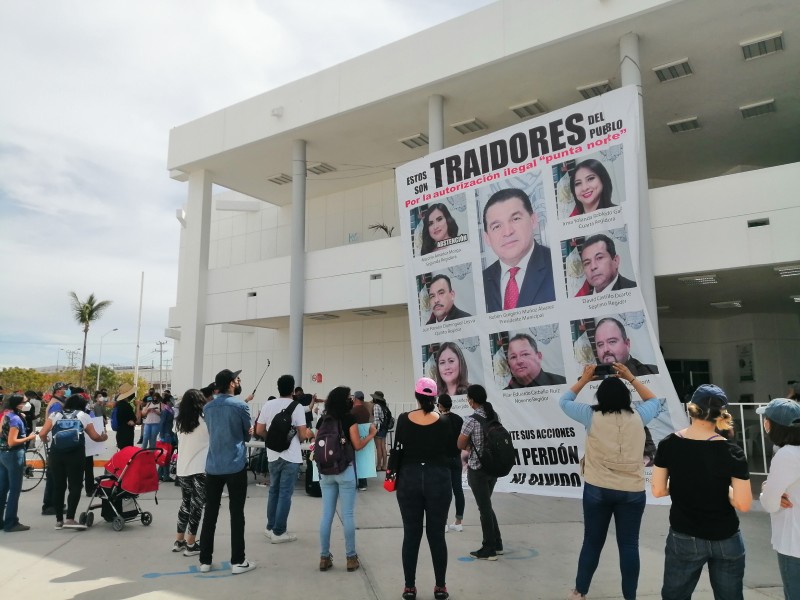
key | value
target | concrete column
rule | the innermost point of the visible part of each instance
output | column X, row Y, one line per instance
column 192, row 293
column 631, row 74
column 435, row 123
column 297, row 285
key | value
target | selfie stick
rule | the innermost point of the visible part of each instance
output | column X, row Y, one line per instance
column 262, row 377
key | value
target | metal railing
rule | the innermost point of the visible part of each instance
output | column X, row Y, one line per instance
column 749, row 434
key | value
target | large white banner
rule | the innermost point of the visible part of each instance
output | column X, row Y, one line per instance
column 522, row 252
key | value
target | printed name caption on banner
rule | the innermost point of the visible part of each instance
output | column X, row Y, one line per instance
column 592, row 302
column 539, row 394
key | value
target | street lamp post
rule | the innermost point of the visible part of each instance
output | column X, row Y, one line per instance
column 100, row 358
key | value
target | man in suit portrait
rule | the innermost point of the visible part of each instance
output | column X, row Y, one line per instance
column 443, row 301
column 601, row 267
column 525, row 363
column 611, row 344
column 523, row 273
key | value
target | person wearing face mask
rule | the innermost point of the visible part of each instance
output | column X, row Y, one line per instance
column 55, row 404
column 13, row 438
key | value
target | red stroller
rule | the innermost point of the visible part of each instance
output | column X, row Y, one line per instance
column 131, row 471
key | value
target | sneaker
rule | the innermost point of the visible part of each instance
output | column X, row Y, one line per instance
column 484, row 554
column 49, row 511
column 242, row 568
column 268, row 533
column 352, row 563
column 21, row 527
column 59, row 525
column 261, row 484
column 574, row 595
column 283, row 538
column 410, row 593
column 179, row 546
column 73, row 525
column 440, row 593
column 362, row 489
column 205, row 568
column 192, row 549
column 498, row 549
column 325, row 562
column 456, row 527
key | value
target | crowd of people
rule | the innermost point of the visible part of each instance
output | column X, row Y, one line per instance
column 704, row 473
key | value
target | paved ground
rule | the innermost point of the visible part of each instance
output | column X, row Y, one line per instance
column 542, row 538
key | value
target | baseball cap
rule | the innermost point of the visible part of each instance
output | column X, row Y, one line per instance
column 224, row 378
column 707, row 395
column 359, row 395
column 782, row 411
column 426, row 386
column 58, row 385
column 209, row 389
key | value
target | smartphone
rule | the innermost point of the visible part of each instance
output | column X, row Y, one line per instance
column 604, row 371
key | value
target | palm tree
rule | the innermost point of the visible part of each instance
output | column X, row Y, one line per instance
column 85, row 313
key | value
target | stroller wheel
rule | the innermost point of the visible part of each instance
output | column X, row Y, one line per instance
column 82, row 518
column 118, row 523
column 147, row 518
column 89, row 519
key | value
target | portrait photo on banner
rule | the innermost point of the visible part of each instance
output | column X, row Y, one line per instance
column 621, row 337
column 515, row 253
column 453, row 365
column 598, row 263
column 592, row 183
column 446, row 295
column 439, row 225
column 526, row 358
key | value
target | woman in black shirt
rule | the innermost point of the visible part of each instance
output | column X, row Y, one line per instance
column 707, row 479
column 423, row 487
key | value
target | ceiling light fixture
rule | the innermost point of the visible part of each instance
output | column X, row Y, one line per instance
column 415, row 141
column 320, row 168
column 758, row 108
column 528, row 109
column 369, row 312
column 762, row 46
column 795, row 298
column 682, row 125
column 788, row 270
column 727, row 304
column 469, row 126
column 280, row 179
column 594, row 89
column 674, row 70
column 323, row 317
column 708, row 279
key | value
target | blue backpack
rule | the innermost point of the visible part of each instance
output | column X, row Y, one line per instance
column 67, row 433
column 114, row 419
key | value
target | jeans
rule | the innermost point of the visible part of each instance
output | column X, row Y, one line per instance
column 149, row 434
column 627, row 508
column 482, row 486
column 237, row 490
column 684, row 559
column 67, row 470
column 282, row 476
column 341, row 486
column 12, row 465
column 424, row 491
column 455, row 480
column 790, row 575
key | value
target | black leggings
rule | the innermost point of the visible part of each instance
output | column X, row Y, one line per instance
column 67, row 470
column 424, row 490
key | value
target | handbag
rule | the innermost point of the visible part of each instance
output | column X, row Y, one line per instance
column 393, row 464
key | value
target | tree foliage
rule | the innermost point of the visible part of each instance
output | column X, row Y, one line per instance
column 86, row 313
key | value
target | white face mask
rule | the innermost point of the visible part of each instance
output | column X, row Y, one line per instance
column 25, row 407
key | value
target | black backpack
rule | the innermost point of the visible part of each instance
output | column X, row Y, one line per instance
column 280, row 432
column 387, row 423
column 497, row 457
column 333, row 451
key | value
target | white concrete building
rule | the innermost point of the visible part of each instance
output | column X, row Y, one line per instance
column 279, row 258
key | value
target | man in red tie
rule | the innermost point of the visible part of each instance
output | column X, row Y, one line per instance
column 523, row 275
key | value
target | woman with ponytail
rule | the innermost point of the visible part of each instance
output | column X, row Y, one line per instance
column 481, row 483
column 707, row 478
column 423, row 486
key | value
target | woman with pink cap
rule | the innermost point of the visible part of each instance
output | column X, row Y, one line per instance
column 423, row 486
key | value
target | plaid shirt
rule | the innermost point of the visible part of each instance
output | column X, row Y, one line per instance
column 473, row 430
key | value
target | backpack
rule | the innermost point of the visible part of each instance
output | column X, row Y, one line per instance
column 333, row 452
column 67, row 433
column 498, row 456
column 387, row 423
column 114, row 419
column 280, row 432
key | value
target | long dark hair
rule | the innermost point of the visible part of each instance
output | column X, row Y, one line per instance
column 463, row 372
column 189, row 411
column 426, row 403
column 428, row 244
column 613, row 396
column 337, row 404
column 596, row 167
column 477, row 394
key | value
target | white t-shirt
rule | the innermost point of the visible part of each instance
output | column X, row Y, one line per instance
column 268, row 411
column 193, row 450
column 784, row 477
column 81, row 416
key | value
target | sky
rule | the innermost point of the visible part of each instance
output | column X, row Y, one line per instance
column 90, row 91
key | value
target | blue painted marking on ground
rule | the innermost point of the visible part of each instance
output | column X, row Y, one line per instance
column 510, row 554
column 222, row 571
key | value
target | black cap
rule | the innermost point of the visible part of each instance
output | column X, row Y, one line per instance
column 224, row 378
column 209, row 389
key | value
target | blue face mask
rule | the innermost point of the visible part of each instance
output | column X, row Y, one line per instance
column 67, row 393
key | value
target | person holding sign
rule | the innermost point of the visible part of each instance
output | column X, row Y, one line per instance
column 439, row 226
column 601, row 267
column 613, row 472
column 591, row 187
column 523, row 273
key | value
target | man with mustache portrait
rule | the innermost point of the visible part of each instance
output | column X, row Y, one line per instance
column 612, row 344
column 442, row 299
